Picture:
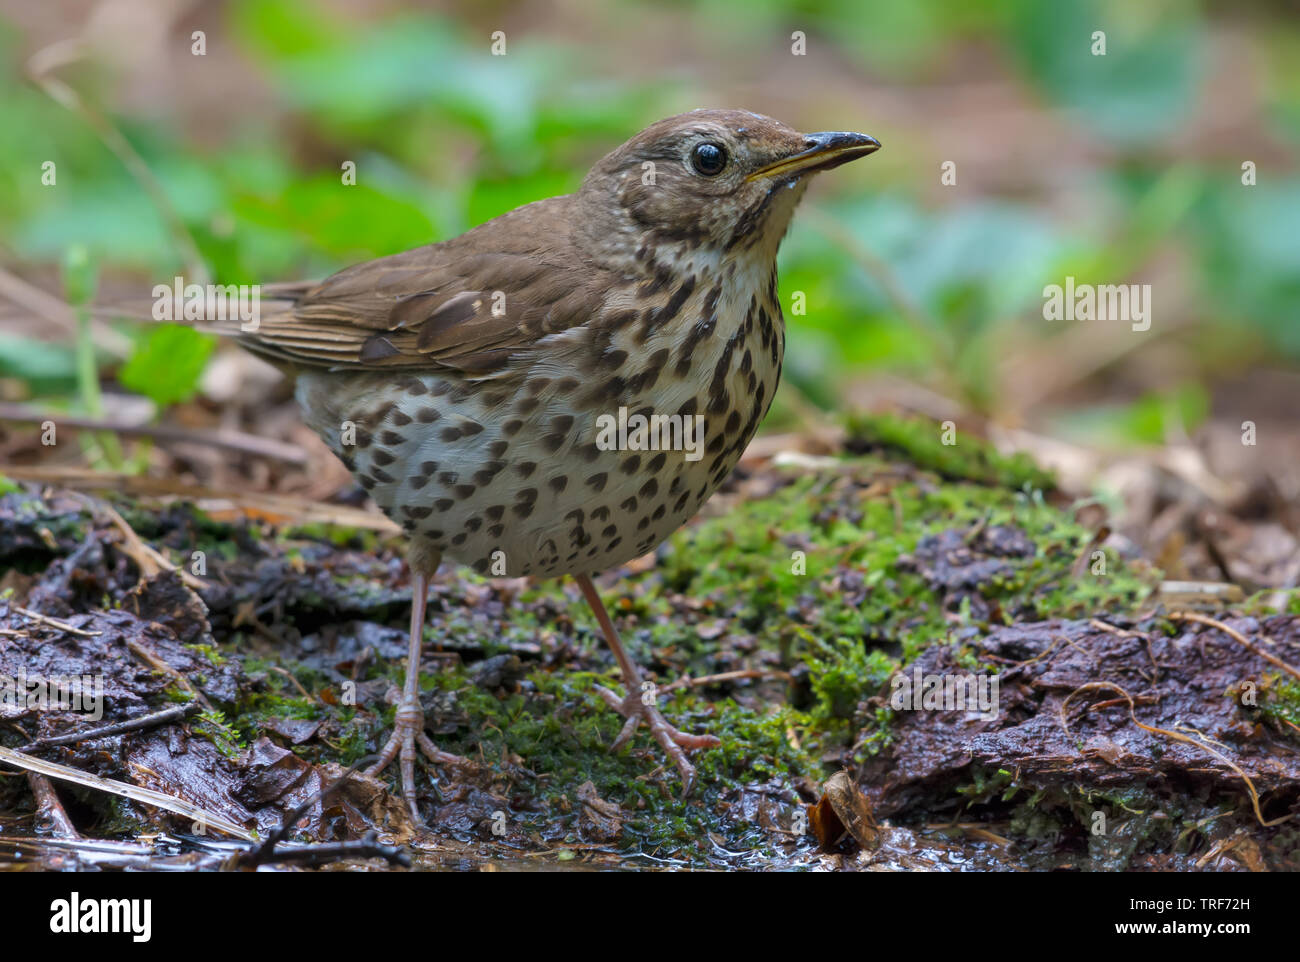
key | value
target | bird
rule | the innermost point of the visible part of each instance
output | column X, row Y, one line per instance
column 557, row 390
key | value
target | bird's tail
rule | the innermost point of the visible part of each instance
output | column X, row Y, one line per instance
column 246, row 313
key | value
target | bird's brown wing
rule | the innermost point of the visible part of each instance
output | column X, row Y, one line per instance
column 466, row 304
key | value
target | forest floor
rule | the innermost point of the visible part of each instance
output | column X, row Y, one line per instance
column 1136, row 723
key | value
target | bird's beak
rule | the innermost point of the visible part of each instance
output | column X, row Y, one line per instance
column 822, row 151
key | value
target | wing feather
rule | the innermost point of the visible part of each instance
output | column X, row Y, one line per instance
column 466, row 304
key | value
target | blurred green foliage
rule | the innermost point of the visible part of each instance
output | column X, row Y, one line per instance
column 922, row 444
column 167, row 363
column 444, row 136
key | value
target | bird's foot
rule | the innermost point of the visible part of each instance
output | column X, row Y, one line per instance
column 675, row 743
column 408, row 734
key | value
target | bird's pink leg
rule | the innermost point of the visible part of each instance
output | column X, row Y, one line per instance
column 408, row 732
column 638, row 706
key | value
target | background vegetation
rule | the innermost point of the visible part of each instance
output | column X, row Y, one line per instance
column 1114, row 169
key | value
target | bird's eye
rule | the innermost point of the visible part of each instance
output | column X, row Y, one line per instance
column 708, row 159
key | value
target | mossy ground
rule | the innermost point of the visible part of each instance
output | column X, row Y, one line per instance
column 811, row 578
column 808, row 579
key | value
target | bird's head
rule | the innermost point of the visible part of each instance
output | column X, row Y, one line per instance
column 719, row 181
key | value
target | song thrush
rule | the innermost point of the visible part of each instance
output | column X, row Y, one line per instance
column 471, row 385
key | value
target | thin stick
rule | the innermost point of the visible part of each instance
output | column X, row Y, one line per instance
column 166, row 716
column 724, row 677
column 40, row 69
column 1177, row 736
column 1236, row 636
column 266, row 851
column 270, row 508
column 55, row 623
column 292, row 678
column 55, row 311
column 282, row 451
column 148, row 560
column 47, row 802
column 324, row 853
column 157, row 664
column 145, row 796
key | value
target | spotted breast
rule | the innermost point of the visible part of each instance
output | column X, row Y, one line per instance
column 586, row 458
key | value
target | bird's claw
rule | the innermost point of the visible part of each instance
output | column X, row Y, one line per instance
column 675, row 743
column 408, row 735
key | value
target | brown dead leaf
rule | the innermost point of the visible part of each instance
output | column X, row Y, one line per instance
column 843, row 809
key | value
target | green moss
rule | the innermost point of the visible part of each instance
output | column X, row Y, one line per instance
column 352, row 745
column 263, row 706
column 51, row 527
column 176, row 694
column 211, row 653
column 562, row 730
column 356, row 539
column 275, row 697
column 1109, row 826
column 213, row 726
column 118, row 817
column 843, row 673
column 1270, row 601
column 819, row 572
column 965, row 459
column 1281, row 700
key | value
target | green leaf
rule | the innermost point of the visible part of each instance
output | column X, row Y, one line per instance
column 168, row 363
column 346, row 221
